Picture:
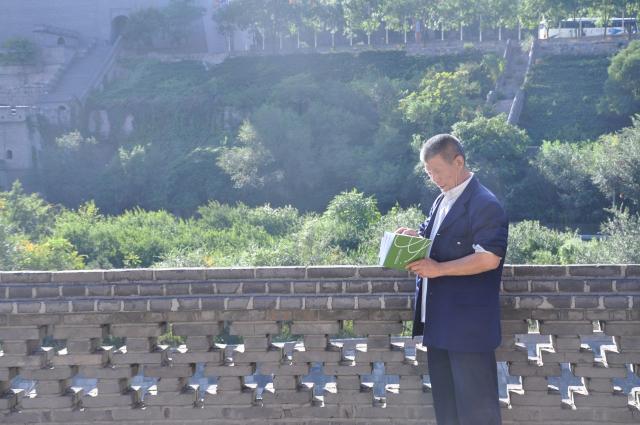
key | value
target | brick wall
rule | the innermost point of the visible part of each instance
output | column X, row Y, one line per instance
column 63, row 359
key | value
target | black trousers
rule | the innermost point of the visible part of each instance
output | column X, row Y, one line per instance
column 464, row 387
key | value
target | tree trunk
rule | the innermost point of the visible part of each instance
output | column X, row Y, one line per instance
column 315, row 39
column 298, row 38
column 368, row 39
column 280, row 36
column 386, row 34
column 441, row 31
column 519, row 31
column 500, row 33
column 461, row 32
column 333, row 40
column 480, row 29
column 351, row 40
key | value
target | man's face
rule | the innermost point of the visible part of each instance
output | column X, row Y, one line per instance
column 444, row 174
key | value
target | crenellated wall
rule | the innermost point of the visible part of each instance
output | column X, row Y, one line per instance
column 296, row 345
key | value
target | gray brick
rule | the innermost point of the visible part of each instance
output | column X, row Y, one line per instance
column 151, row 289
column 595, row 270
column 160, row 304
column 74, row 290
column 407, row 286
column 98, row 290
column 197, row 274
column 279, row 287
column 383, row 286
column 30, row 306
column 316, row 303
column 559, row 301
column 331, row 272
column 294, row 272
column 571, row 286
column 20, row 292
column 125, row 289
column 600, row 285
column 632, row 270
column 213, row 303
column 228, row 287
column 290, row 303
column 586, row 301
column 25, row 277
column 304, row 287
column 616, row 302
column 397, row 301
column 238, row 303
column 507, row 271
column 109, row 305
column 47, row 291
column 315, row 328
column 357, row 287
column 202, row 288
column 338, row 303
column 135, row 275
column 368, row 302
column 254, row 288
column 78, row 276
column 376, row 271
column 628, row 285
column 6, row 307
column 530, row 301
column 230, row 273
column 135, row 305
column 177, row 288
column 543, row 286
column 539, row 271
column 56, row 306
column 82, row 305
column 187, row 304
column 264, row 303
column 330, row 287
column 515, row 286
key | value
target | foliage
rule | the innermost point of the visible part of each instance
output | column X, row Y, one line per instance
column 19, row 51
column 495, row 150
column 29, row 214
column 562, row 95
column 616, row 165
column 442, row 99
column 532, row 243
column 622, row 88
column 147, row 28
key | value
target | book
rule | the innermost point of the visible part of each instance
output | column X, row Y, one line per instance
column 396, row 250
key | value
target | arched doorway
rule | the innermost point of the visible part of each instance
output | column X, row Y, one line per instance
column 117, row 27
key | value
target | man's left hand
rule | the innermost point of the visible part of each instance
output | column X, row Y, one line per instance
column 425, row 268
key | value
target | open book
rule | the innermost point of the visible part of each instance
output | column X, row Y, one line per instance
column 396, row 251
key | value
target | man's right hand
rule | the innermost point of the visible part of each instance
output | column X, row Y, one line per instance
column 406, row 231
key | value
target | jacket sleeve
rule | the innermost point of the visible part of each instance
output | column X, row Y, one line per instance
column 490, row 227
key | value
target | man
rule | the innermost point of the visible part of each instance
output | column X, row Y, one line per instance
column 457, row 309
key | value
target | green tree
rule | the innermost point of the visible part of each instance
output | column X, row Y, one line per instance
column 19, row 51
column 622, row 88
column 495, row 150
column 568, row 168
column 442, row 99
column 28, row 213
column 616, row 165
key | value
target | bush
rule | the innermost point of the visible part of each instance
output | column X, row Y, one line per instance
column 532, row 243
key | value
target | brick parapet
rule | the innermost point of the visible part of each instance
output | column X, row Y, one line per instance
column 568, row 305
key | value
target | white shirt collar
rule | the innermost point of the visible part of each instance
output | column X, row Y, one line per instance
column 453, row 194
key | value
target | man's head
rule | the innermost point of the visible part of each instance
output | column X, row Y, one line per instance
column 444, row 161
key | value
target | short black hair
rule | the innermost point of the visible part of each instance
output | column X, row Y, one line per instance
column 446, row 145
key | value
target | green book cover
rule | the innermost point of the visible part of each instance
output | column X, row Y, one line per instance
column 396, row 251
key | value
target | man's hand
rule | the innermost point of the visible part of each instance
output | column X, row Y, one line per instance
column 425, row 268
column 406, row 231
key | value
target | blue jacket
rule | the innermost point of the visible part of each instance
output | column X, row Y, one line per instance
column 463, row 312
